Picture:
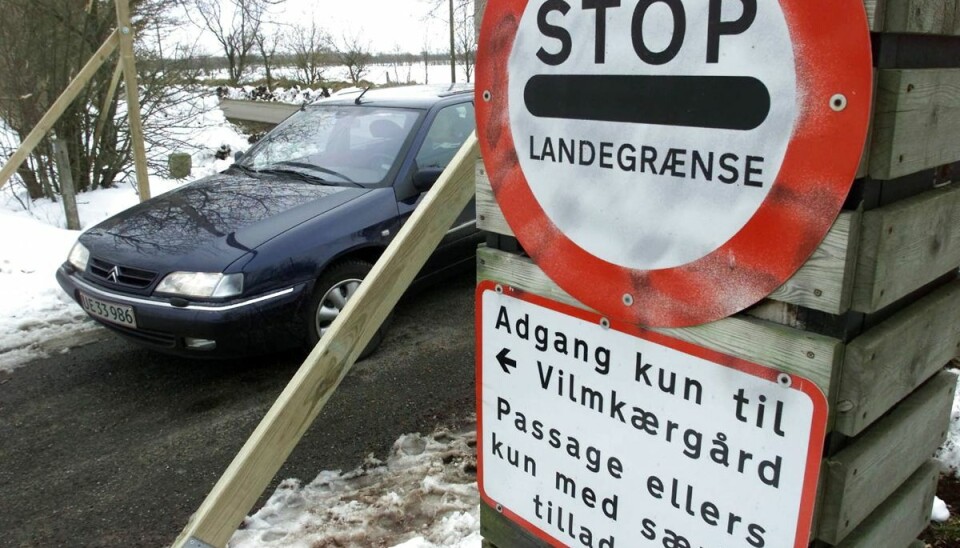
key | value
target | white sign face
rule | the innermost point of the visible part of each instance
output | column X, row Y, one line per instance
column 594, row 437
column 666, row 121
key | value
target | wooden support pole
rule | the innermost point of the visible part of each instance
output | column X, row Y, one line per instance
column 59, row 106
column 128, row 61
column 67, row 191
column 294, row 411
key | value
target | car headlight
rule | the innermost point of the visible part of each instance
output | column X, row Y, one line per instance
column 79, row 257
column 201, row 284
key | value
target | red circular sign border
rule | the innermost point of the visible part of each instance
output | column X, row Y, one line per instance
column 816, row 174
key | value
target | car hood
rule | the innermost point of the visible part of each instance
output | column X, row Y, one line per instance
column 207, row 225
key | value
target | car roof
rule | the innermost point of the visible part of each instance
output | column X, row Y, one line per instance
column 423, row 96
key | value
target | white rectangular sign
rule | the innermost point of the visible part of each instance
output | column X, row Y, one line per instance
column 604, row 435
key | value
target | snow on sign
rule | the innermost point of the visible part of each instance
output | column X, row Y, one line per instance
column 608, row 436
column 671, row 162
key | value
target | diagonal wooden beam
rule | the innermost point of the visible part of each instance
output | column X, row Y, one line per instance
column 321, row 373
column 59, row 107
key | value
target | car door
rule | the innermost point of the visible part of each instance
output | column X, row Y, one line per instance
column 450, row 128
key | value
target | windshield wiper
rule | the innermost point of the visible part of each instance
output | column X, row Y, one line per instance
column 320, row 169
column 243, row 168
column 314, row 179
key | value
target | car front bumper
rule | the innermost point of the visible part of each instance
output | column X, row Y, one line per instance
column 259, row 324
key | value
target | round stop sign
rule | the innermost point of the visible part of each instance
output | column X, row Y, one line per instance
column 671, row 162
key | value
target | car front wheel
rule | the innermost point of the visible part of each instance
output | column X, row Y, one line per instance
column 333, row 290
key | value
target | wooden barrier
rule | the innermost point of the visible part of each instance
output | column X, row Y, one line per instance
column 858, row 479
column 922, row 16
column 906, row 245
column 891, row 360
column 914, row 16
column 915, row 122
column 901, row 517
column 890, row 263
column 824, row 283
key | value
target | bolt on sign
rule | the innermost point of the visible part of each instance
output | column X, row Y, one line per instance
column 672, row 162
column 603, row 435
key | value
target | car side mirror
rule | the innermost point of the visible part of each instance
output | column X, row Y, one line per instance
column 237, row 155
column 426, row 177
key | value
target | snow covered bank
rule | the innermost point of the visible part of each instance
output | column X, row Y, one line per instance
column 424, row 496
column 378, row 74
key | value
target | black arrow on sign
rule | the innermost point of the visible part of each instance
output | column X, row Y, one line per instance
column 506, row 362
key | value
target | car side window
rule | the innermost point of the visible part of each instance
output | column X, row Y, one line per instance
column 450, row 129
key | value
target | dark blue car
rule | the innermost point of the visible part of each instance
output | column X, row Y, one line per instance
column 265, row 255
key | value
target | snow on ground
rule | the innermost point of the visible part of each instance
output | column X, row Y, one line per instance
column 940, row 513
column 424, row 496
column 34, row 308
column 949, row 453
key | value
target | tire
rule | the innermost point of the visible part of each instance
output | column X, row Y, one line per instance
column 333, row 289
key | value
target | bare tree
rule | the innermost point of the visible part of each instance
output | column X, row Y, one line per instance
column 454, row 14
column 401, row 63
column 309, row 46
column 355, row 54
column 267, row 45
column 235, row 24
column 43, row 44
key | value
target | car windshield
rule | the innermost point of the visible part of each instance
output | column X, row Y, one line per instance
column 337, row 144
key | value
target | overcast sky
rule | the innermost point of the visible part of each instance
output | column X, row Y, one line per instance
column 384, row 23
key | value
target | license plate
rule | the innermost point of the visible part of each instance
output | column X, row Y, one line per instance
column 113, row 313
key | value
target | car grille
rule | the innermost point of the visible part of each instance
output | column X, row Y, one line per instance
column 125, row 275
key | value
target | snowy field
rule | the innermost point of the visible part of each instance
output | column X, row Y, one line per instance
column 379, row 75
column 424, row 495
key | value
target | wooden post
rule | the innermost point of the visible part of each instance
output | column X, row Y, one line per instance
column 323, row 370
column 67, row 192
column 128, row 61
column 59, row 106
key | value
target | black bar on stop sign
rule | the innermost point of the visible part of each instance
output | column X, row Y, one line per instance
column 714, row 102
